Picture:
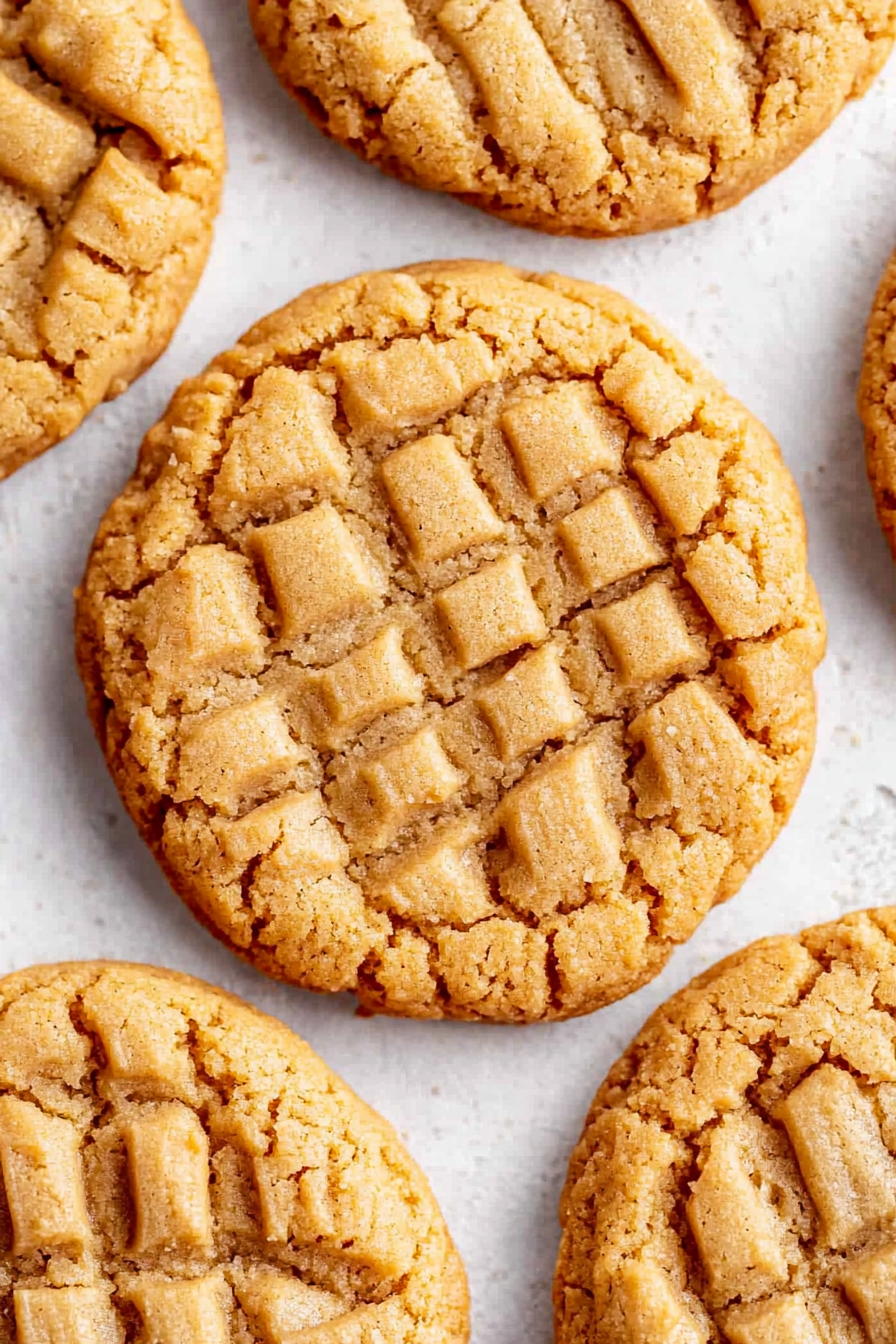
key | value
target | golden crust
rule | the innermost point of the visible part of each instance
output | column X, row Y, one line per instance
column 877, row 401
column 735, row 1177
column 571, row 116
column 112, row 160
column 200, row 1157
column 303, row 630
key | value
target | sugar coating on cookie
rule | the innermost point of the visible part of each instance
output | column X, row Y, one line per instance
column 175, row 1166
column 453, row 643
column 736, row 1177
column 877, row 402
column 111, row 158
column 577, row 116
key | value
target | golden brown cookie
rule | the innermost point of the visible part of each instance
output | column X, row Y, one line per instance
column 736, row 1178
column 577, row 116
column 111, row 159
column 877, row 402
column 180, row 1169
column 453, row 643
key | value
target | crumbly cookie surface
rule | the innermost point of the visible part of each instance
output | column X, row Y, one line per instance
column 736, row 1178
column 578, row 116
column 111, row 159
column 877, row 402
column 178, row 1167
column 453, row 643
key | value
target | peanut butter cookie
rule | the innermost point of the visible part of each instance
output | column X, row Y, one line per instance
column 453, row 643
column 111, row 159
column 736, row 1179
column 877, row 402
column 578, row 116
column 179, row 1168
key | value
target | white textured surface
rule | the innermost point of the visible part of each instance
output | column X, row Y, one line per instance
column 774, row 296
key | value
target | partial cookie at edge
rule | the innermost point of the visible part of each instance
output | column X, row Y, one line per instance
column 877, row 402
column 111, row 162
column 576, row 117
column 171, row 1155
column 736, row 1177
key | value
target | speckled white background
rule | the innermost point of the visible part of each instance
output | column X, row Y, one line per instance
column 774, row 296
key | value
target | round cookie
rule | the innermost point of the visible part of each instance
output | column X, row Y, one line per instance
column 736, row 1178
column 577, row 116
column 877, row 402
column 453, row 643
column 111, row 160
column 178, row 1167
